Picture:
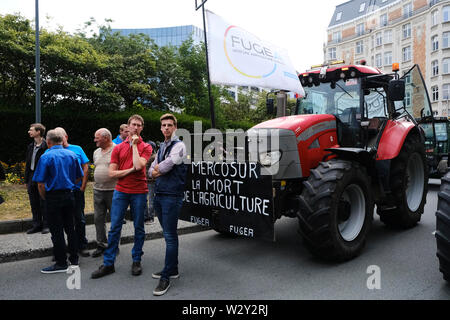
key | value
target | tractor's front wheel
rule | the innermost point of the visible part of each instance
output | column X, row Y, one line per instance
column 336, row 210
column 409, row 186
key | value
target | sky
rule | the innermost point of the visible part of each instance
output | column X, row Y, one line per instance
column 299, row 26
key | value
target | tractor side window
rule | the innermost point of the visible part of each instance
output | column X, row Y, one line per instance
column 416, row 101
column 375, row 103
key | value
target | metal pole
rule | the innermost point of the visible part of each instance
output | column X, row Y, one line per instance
column 38, row 68
column 211, row 101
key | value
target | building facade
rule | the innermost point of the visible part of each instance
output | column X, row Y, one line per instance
column 406, row 31
column 174, row 36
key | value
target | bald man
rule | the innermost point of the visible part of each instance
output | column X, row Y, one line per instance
column 103, row 186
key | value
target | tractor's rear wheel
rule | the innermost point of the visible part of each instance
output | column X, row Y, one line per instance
column 336, row 210
column 409, row 186
column 443, row 227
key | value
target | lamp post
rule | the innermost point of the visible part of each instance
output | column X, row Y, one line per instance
column 211, row 101
column 38, row 68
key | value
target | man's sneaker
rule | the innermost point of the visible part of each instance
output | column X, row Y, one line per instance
column 54, row 269
column 136, row 268
column 102, row 271
column 162, row 287
column 174, row 275
column 98, row 252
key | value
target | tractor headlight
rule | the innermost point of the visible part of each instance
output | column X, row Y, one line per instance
column 269, row 158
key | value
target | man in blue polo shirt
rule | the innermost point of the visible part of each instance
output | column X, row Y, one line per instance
column 57, row 173
column 80, row 220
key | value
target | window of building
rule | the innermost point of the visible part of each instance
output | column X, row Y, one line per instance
column 359, row 47
column 435, row 43
column 435, row 17
column 383, row 20
column 445, row 40
column 434, row 93
column 388, row 36
column 408, row 98
column 406, row 28
column 446, row 91
column 388, row 58
column 331, row 53
column 446, row 66
column 379, row 39
column 435, row 67
column 362, row 7
column 408, row 79
column 337, row 36
column 406, row 53
column 338, row 16
column 378, row 60
column 360, row 29
column 446, row 14
column 407, row 10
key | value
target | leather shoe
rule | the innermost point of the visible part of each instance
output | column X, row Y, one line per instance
column 84, row 252
column 34, row 230
column 102, row 271
column 98, row 252
column 136, row 268
column 45, row 230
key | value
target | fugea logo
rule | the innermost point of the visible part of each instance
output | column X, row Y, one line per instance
column 374, row 280
column 74, row 281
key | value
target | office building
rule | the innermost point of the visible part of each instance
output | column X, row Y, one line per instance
column 405, row 31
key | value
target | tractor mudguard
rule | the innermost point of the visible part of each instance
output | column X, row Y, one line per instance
column 393, row 138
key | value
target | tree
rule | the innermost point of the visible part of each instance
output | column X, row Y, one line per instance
column 16, row 60
column 131, row 69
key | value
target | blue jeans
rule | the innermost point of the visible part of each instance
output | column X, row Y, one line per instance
column 119, row 206
column 149, row 209
column 167, row 210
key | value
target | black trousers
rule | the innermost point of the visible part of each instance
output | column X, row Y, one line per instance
column 60, row 209
column 80, row 219
column 37, row 204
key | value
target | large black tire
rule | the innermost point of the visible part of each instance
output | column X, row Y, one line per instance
column 443, row 227
column 409, row 186
column 336, row 210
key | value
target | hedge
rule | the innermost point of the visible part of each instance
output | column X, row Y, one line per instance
column 81, row 126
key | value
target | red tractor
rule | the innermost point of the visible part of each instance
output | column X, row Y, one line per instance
column 353, row 143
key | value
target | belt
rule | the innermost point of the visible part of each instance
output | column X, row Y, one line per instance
column 61, row 191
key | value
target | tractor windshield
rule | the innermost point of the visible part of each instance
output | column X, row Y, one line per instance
column 339, row 98
column 441, row 131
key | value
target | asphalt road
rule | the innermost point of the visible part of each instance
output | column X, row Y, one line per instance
column 216, row 267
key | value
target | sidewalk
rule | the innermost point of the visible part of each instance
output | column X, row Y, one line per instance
column 20, row 246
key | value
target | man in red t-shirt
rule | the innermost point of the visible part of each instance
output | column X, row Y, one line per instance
column 128, row 161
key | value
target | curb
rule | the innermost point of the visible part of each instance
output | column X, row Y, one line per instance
column 15, row 226
column 45, row 252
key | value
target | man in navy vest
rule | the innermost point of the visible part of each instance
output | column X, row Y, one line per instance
column 170, row 173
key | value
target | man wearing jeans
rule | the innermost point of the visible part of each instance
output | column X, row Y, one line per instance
column 128, row 161
column 170, row 173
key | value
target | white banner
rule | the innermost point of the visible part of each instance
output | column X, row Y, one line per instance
column 237, row 57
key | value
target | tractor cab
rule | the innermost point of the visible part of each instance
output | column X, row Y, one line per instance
column 363, row 99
